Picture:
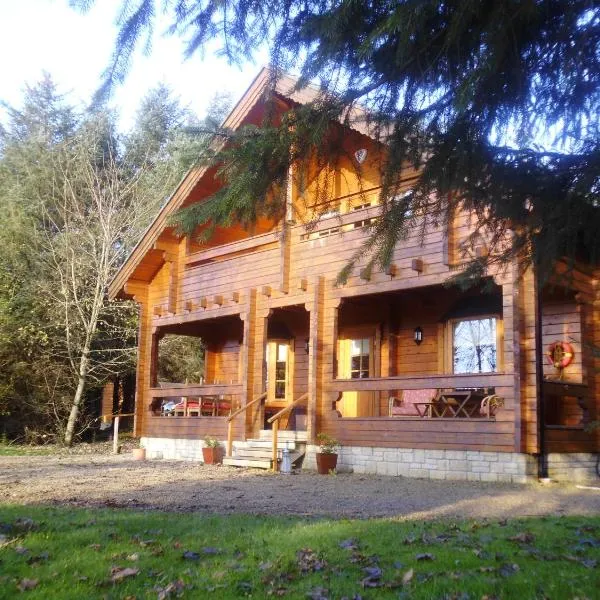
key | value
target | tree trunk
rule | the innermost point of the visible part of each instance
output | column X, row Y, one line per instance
column 77, row 398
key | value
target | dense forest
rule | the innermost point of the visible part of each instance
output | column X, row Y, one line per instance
column 75, row 195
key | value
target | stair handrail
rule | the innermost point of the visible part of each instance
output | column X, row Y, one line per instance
column 274, row 420
column 235, row 414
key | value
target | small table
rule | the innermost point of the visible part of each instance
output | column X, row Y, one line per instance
column 451, row 404
column 458, row 404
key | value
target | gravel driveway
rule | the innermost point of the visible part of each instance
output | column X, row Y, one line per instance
column 118, row 481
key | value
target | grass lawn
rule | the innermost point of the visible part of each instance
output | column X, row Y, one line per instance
column 18, row 450
column 75, row 553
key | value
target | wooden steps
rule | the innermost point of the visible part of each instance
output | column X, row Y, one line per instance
column 257, row 453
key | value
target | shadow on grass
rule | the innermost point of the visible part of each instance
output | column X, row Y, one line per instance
column 80, row 553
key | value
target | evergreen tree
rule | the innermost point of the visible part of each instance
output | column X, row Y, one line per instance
column 495, row 102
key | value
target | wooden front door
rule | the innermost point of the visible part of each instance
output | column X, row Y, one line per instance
column 356, row 361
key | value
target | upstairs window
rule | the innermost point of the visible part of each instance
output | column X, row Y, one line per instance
column 474, row 345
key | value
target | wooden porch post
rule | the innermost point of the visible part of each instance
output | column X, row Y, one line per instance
column 323, row 335
column 511, row 318
column 529, row 385
column 257, row 332
column 144, row 354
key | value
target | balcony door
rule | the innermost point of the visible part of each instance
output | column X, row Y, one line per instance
column 356, row 361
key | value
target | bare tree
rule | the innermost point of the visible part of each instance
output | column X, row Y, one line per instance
column 90, row 219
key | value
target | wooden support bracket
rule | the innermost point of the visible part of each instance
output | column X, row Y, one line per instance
column 266, row 291
column 204, row 302
column 303, row 284
column 235, row 297
column 481, row 251
column 391, row 270
column 218, row 300
column 417, row 265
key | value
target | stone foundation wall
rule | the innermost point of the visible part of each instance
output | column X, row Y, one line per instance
column 573, row 467
column 173, row 449
column 463, row 465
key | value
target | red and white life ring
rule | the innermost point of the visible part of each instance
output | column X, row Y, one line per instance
column 560, row 354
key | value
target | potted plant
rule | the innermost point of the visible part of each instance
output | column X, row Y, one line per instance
column 327, row 454
column 212, row 451
column 139, row 453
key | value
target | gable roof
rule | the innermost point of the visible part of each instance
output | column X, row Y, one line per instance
column 286, row 86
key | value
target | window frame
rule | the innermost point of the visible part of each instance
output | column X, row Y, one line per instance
column 449, row 346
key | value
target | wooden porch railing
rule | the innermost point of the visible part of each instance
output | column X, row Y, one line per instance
column 233, row 415
column 416, row 382
column 274, row 421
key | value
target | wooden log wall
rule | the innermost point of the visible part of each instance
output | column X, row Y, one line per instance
column 248, row 278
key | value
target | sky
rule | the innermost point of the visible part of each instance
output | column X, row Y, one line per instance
column 48, row 35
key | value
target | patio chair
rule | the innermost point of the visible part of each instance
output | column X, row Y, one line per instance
column 489, row 405
column 413, row 403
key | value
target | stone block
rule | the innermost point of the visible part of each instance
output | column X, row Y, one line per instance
column 489, row 476
column 434, row 454
column 437, row 474
column 506, row 457
column 387, row 468
column 404, row 469
column 458, row 465
column 479, row 463
column 456, row 454
column 419, row 456
column 419, row 473
column 473, row 476
column 485, row 468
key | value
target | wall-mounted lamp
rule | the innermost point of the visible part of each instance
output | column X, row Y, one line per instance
column 418, row 335
column 307, row 346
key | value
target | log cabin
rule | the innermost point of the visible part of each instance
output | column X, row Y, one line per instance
column 413, row 377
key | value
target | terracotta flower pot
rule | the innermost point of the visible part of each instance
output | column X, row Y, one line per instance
column 326, row 463
column 212, row 456
column 139, row 454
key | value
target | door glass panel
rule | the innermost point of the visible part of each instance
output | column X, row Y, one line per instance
column 282, row 352
column 359, row 358
column 474, row 346
column 281, row 369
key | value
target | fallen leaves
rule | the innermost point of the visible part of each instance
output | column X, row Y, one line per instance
column 425, row 556
column 309, row 561
column 408, row 576
column 373, row 577
column 523, row 538
column 27, row 584
column 173, row 589
column 119, row 573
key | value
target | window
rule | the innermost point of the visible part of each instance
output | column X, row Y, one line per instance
column 474, row 344
column 359, row 358
column 278, row 357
